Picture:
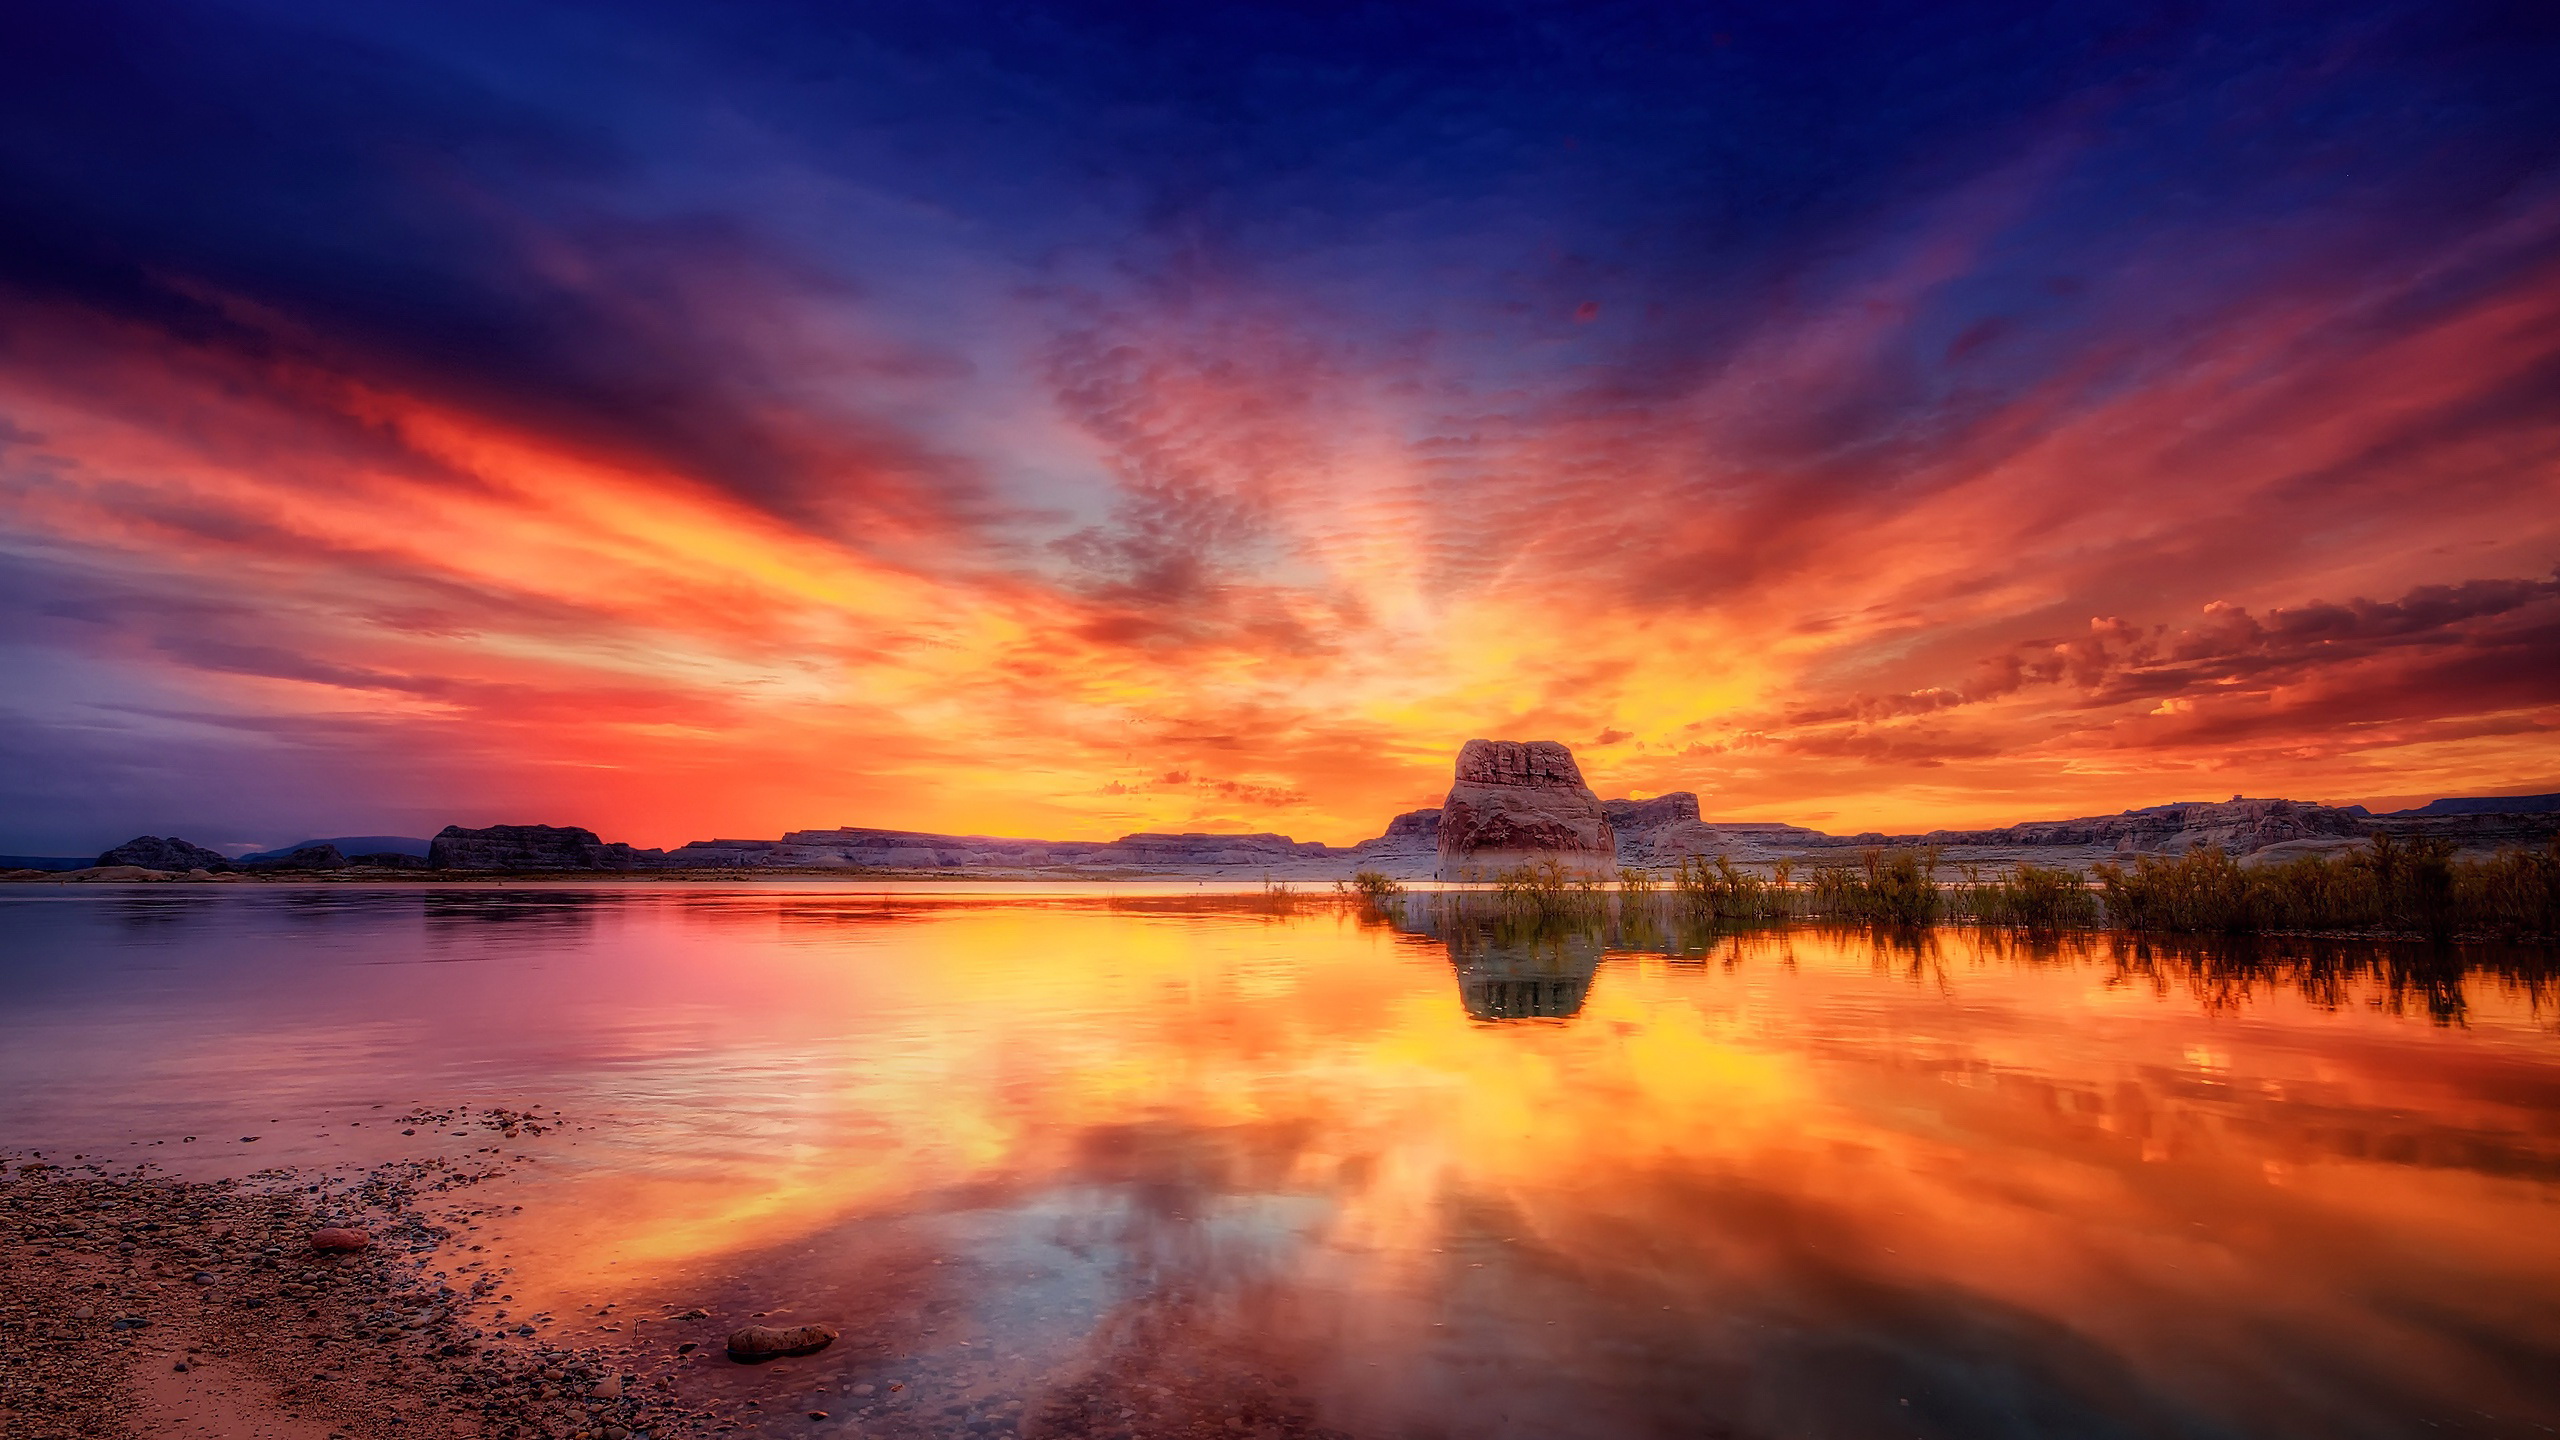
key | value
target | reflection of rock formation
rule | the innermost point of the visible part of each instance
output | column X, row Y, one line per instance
column 1503, row 993
column 464, row 912
column 1518, row 969
column 1522, row 803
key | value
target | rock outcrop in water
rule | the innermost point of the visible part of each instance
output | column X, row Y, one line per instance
column 164, row 852
column 533, row 847
column 1522, row 802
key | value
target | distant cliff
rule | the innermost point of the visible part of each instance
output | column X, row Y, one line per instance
column 533, row 847
column 1514, row 801
column 1654, row 833
column 919, row 850
column 1663, row 830
column 2482, row 805
column 165, row 852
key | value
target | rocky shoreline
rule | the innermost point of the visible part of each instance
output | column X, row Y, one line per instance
column 137, row 1301
column 289, row 1304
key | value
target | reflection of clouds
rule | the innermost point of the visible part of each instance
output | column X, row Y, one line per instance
column 1153, row 1135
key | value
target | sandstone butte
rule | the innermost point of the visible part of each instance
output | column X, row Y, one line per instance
column 1522, row 802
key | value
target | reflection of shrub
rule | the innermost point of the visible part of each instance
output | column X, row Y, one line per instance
column 1278, row 897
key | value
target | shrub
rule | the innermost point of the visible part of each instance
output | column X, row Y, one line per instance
column 1547, row 889
column 1717, row 891
column 2033, row 897
column 1376, row 885
column 1897, row 887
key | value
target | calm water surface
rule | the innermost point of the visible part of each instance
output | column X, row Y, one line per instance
column 1162, row 1160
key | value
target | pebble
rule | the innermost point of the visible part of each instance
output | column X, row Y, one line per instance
column 339, row 1237
column 608, row 1388
column 866, row 1388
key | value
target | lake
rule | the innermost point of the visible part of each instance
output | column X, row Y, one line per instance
column 1154, row 1161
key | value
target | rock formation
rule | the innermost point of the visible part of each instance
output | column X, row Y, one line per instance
column 1522, row 803
column 388, row 860
column 857, row 848
column 1660, row 832
column 1409, row 849
column 2482, row 805
column 1513, row 803
column 164, row 852
column 309, row 857
column 533, row 847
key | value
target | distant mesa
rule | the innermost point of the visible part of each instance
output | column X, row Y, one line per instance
column 359, row 849
column 533, row 847
column 2486, row 805
column 329, row 855
column 1522, row 802
column 168, row 854
column 1142, row 853
column 164, row 852
column 1511, row 803
column 306, row 857
column 45, row 864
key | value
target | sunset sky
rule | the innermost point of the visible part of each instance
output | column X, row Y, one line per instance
column 1041, row 420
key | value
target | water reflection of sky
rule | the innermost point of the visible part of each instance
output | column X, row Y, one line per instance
column 1162, row 1153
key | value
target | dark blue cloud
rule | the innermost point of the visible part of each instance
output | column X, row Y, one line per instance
column 376, row 170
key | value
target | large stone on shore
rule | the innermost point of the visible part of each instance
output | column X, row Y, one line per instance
column 164, row 852
column 767, row 1342
column 1520, row 803
column 533, row 847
